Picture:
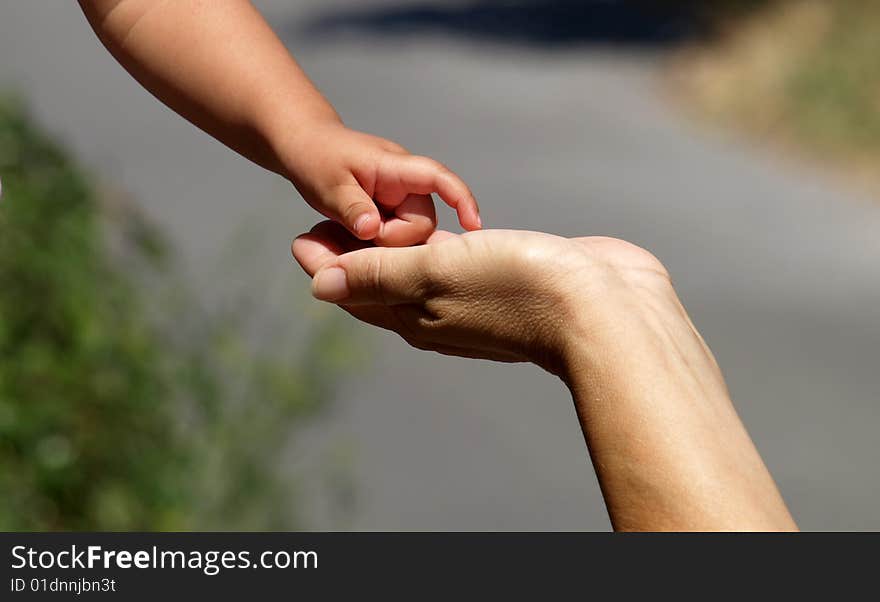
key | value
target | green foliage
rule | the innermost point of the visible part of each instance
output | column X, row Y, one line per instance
column 835, row 92
column 123, row 407
column 807, row 71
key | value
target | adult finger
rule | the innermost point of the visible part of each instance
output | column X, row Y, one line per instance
column 440, row 236
column 379, row 276
column 325, row 242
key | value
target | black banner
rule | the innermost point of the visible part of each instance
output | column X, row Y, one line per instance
column 132, row 566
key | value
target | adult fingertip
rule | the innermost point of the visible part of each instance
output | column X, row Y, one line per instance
column 311, row 253
column 296, row 245
column 331, row 285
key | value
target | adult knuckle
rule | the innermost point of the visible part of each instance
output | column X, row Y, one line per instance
column 433, row 271
column 374, row 275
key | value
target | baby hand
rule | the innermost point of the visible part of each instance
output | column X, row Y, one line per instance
column 375, row 187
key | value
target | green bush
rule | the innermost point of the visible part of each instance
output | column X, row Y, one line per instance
column 834, row 94
column 805, row 73
column 122, row 404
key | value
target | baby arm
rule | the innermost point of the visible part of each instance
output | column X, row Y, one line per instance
column 220, row 65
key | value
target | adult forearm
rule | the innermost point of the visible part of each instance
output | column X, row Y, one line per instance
column 219, row 65
column 668, row 447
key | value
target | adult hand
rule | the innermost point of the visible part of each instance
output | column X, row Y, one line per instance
column 668, row 447
column 494, row 294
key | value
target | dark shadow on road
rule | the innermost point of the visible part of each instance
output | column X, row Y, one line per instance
column 533, row 22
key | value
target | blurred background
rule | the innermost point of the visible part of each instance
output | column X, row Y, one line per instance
column 163, row 367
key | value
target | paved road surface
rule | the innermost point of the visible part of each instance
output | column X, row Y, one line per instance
column 780, row 270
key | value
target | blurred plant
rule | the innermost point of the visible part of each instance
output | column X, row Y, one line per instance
column 122, row 406
column 806, row 71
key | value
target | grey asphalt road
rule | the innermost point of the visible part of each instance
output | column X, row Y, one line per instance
column 779, row 267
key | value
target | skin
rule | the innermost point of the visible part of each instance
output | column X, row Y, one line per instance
column 667, row 445
column 219, row 64
column 665, row 440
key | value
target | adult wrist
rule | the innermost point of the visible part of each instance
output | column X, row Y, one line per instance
column 603, row 328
